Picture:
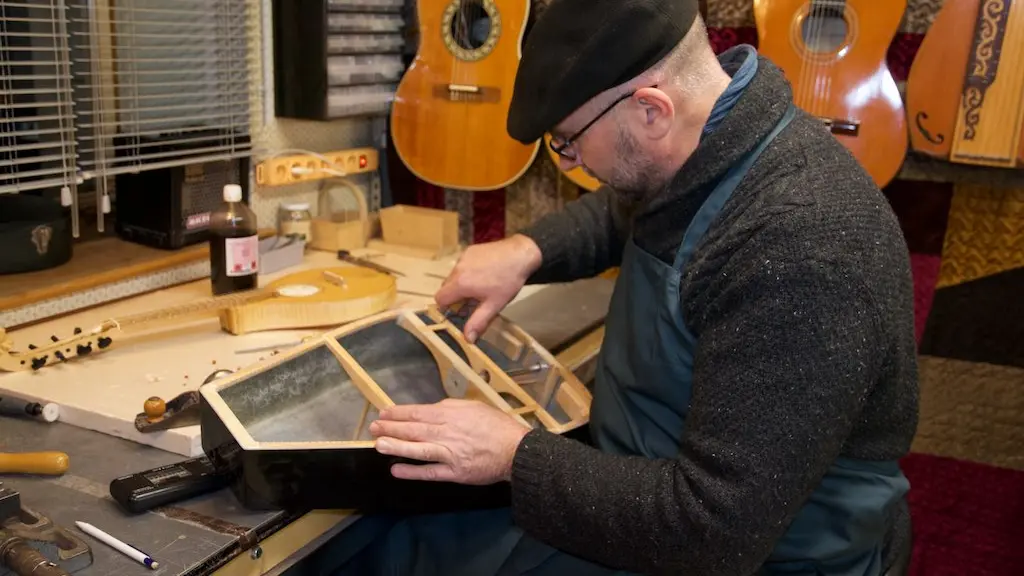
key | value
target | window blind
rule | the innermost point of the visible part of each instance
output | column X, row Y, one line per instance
column 37, row 131
column 161, row 83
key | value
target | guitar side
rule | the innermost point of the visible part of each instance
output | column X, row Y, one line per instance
column 448, row 119
column 850, row 86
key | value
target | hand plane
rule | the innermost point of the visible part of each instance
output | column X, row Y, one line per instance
column 32, row 545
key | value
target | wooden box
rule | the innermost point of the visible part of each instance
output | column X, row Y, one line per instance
column 292, row 430
column 433, row 232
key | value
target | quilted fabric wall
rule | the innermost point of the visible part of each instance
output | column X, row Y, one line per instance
column 967, row 244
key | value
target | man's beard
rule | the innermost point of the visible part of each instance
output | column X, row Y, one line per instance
column 633, row 177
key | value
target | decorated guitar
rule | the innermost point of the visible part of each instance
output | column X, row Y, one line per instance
column 448, row 118
column 304, row 299
column 833, row 52
column 965, row 91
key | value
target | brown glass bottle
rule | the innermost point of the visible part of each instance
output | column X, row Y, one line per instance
column 234, row 245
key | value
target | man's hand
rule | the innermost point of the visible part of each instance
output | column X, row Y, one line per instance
column 491, row 274
column 468, row 442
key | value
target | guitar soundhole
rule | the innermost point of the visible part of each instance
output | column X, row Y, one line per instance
column 824, row 29
column 471, row 26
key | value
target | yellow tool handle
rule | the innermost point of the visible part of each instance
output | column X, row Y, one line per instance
column 55, row 463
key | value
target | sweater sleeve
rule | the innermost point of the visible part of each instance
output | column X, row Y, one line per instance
column 787, row 355
column 581, row 240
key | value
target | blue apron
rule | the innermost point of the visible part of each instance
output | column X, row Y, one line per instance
column 641, row 396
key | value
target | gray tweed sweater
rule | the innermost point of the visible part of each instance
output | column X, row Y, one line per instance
column 801, row 297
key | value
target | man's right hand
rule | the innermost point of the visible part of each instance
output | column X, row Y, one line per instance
column 490, row 274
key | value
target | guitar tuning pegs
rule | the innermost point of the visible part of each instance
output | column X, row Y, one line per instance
column 54, row 338
column 60, row 356
column 103, row 341
column 38, row 363
column 32, row 346
column 77, row 330
column 84, row 349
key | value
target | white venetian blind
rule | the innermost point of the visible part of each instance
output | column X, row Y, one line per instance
column 161, row 83
column 37, row 145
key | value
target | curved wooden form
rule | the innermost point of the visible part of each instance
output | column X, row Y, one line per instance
column 965, row 90
column 576, row 175
column 304, row 299
column 293, row 428
column 448, row 118
column 848, row 87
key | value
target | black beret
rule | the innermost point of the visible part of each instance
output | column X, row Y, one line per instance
column 580, row 48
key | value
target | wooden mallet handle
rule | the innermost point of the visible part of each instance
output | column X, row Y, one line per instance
column 52, row 463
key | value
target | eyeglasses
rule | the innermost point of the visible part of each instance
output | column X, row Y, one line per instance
column 559, row 146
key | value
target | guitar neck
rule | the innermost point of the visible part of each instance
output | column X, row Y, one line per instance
column 212, row 304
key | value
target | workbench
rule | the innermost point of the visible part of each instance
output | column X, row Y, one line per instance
column 212, row 534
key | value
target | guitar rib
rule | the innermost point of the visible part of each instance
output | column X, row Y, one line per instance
column 448, row 120
column 833, row 52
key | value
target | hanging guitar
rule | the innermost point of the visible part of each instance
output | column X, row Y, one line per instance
column 965, row 91
column 833, row 52
column 448, row 118
column 305, row 299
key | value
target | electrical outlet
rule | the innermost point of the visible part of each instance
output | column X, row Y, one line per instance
column 280, row 171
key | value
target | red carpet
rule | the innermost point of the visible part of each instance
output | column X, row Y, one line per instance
column 968, row 518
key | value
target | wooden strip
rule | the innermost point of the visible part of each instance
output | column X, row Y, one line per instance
column 366, row 384
column 448, row 360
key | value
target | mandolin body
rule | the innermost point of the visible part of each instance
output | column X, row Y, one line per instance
column 448, row 118
column 292, row 430
column 849, row 85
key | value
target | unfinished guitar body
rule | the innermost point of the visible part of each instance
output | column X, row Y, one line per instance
column 293, row 430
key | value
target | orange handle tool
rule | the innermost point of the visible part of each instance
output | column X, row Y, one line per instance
column 50, row 463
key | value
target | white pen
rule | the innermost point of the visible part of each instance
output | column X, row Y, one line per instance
column 126, row 549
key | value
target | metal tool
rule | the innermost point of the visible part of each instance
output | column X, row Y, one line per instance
column 32, row 545
column 182, row 410
column 348, row 257
column 27, row 408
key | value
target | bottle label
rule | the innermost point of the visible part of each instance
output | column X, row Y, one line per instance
column 242, row 255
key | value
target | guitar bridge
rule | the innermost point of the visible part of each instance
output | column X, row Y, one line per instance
column 840, row 126
column 466, row 93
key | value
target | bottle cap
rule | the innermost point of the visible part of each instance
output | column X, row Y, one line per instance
column 232, row 193
column 296, row 206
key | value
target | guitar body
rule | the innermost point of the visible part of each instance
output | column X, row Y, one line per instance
column 834, row 55
column 576, row 175
column 448, row 119
column 970, row 44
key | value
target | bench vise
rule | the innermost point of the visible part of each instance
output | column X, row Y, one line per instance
column 32, row 545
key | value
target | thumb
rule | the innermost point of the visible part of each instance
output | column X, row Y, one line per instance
column 480, row 318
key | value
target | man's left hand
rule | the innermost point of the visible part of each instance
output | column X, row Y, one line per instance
column 467, row 442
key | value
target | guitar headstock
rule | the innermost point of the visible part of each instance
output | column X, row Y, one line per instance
column 57, row 350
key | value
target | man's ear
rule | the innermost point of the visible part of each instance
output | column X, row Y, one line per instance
column 658, row 111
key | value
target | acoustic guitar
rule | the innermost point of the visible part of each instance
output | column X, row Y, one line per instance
column 448, row 119
column 965, row 91
column 833, row 52
column 305, row 299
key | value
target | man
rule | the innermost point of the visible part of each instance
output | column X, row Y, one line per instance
column 757, row 383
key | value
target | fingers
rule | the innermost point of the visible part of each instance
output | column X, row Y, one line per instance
column 430, row 472
column 424, row 451
column 480, row 318
column 427, row 413
column 411, row 431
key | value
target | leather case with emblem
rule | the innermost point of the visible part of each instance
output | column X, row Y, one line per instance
column 35, row 233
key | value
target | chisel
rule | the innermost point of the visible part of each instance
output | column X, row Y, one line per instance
column 48, row 463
